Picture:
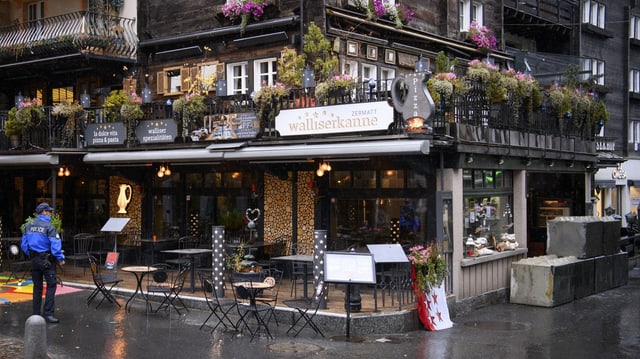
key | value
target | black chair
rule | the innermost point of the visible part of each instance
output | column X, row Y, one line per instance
column 298, row 273
column 220, row 307
column 307, row 312
column 104, row 283
column 248, row 308
column 81, row 249
column 183, row 243
column 172, row 292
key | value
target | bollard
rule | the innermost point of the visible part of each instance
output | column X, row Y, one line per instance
column 35, row 338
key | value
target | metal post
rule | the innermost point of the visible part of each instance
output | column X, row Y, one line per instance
column 319, row 250
column 217, row 259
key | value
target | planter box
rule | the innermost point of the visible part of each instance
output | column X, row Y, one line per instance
column 545, row 281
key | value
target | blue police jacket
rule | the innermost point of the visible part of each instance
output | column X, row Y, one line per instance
column 41, row 236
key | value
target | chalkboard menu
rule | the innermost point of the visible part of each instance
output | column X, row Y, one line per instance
column 157, row 131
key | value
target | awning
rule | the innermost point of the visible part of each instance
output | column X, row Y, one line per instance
column 29, row 160
column 140, row 157
column 241, row 151
column 333, row 150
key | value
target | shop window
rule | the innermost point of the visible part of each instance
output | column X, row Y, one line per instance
column 211, row 180
column 488, row 217
column 487, row 179
column 232, row 179
column 193, row 180
column 416, row 180
column 341, row 179
column 364, row 179
column 392, row 179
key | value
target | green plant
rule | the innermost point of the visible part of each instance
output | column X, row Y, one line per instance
column 443, row 63
column 70, row 110
column 28, row 114
column 430, row 266
column 244, row 10
column 190, row 108
column 56, row 222
column 444, row 84
column 234, row 260
column 268, row 101
column 232, row 220
column 318, row 53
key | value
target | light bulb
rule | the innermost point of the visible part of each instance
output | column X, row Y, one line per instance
column 60, row 172
column 167, row 172
column 320, row 172
column 67, row 173
column 160, row 174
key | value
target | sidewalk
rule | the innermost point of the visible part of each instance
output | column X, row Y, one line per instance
column 605, row 325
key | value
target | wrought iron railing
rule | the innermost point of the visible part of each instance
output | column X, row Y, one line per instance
column 471, row 108
column 81, row 30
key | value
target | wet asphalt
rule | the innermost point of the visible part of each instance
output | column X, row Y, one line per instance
column 604, row 325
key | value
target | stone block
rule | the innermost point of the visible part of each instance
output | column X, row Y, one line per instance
column 603, row 273
column 578, row 236
column 545, row 281
column 584, row 278
column 620, row 269
column 610, row 235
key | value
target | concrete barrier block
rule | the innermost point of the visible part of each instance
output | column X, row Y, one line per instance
column 610, row 235
column 578, row 236
column 603, row 273
column 620, row 269
column 544, row 281
column 584, row 278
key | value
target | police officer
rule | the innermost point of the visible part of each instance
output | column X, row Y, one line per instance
column 42, row 243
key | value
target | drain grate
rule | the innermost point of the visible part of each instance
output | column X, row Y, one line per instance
column 495, row 325
column 293, row 347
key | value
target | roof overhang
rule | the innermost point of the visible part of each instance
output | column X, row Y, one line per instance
column 29, row 160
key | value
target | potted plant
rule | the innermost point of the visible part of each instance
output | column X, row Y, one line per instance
column 188, row 109
column 399, row 13
column 71, row 111
column 482, row 37
column 268, row 100
column 243, row 11
column 28, row 114
column 429, row 270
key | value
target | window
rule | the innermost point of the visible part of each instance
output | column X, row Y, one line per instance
column 386, row 77
column 593, row 13
column 470, row 11
column 634, row 133
column 350, row 68
column 35, row 11
column 237, row 78
column 634, row 80
column 634, row 28
column 368, row 72
column 169, row 80
column 209, row 74
column 594, row 69
column 62, row 94
column 265, row 72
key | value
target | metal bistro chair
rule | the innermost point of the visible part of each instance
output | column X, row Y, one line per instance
column 81, row 250
column 220, row 307
column 183, row 243
column 172, row 292
column 308, row 311
column 298, row 268
column 104, row 283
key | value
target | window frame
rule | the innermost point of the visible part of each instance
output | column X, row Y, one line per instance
column 634, row 27
column 271, row 74
column 469, row 11
column 596, row 67
column 594, row 13
column 243, row 78
column 634, row 80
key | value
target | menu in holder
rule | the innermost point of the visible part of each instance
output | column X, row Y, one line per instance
column 112, row 260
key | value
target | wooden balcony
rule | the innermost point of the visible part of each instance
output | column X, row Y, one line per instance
column 466, row 120
column 81, row 31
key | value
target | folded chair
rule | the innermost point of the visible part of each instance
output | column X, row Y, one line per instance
column 220, row 307
column 172, row 292
column 307, row 312
column 104, row 283
column 20, row 265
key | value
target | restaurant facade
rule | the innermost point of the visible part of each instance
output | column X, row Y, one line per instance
column 354, row 165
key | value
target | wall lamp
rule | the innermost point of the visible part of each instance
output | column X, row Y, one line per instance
column 64, row 171
column 500, row 160
column 422, row 65
column 469, row 158
column 163, row 171
column 527, row 162
column 322, row 168
column 551, row 163
column 308, row 78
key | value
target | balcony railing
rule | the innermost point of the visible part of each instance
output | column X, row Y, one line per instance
column 470, row 109
column 77, row 31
